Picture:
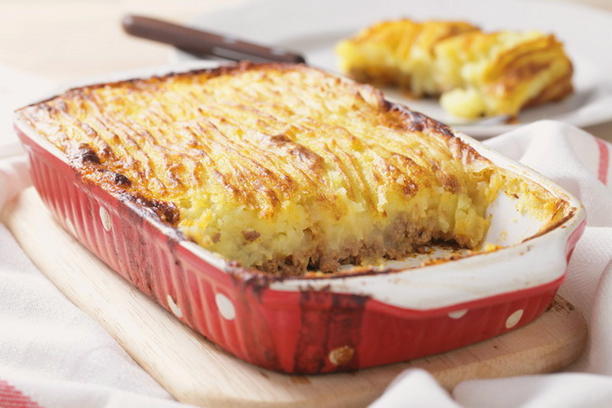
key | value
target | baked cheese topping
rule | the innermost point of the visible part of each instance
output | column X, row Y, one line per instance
column 476, row 73
column 283, row 168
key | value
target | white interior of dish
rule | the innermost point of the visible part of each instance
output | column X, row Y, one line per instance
column 508, row 225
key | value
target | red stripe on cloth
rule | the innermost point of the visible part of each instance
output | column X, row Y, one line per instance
column 11, row 397
column 604, row 161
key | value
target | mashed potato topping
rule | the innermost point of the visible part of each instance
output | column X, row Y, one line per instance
column 476, row 73
column 283, row 168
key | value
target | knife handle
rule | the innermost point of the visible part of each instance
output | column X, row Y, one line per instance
column 204, row 43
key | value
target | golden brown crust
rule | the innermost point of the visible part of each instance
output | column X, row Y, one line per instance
column 308, row 161
column 554, row 92
column 270, row 145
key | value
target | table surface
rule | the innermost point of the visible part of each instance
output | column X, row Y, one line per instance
column 68, row 40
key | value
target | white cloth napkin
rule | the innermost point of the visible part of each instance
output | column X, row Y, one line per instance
column 53, row 355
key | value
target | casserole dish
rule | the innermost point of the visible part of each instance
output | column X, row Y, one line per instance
column 359, row 318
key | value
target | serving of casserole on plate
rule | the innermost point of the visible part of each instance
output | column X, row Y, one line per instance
column 475, row 73
column 297, row 219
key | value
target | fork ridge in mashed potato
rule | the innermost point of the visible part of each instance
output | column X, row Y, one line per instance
column 475, row 73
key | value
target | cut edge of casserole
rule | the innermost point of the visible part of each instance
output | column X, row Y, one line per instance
column 283, row 169
column 475, row 73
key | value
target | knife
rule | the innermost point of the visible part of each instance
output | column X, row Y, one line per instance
column 205, row 43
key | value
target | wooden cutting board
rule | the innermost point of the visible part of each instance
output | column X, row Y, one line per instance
column 195, row 371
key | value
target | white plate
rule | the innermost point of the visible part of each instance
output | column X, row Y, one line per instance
column 313, row 27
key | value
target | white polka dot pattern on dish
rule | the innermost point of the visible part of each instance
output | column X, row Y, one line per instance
column 457, row 314
column 225, row 306
column 106, row 219
column 174, row 307
column 514, row 318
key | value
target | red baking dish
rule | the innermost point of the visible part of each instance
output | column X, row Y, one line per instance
column 319, row 325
